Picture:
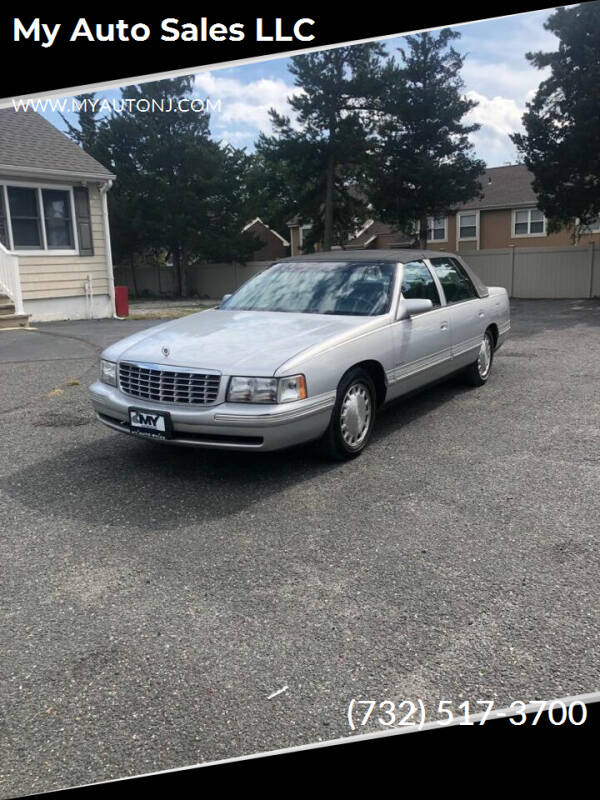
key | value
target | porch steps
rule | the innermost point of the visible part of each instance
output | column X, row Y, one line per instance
column 8, row 318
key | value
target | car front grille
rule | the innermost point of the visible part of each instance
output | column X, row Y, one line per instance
column 168, row 385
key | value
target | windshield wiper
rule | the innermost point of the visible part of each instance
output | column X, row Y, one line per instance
column 345, row 313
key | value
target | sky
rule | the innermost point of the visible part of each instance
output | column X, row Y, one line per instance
column 496, row 75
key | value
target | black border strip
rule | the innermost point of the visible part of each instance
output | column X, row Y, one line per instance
column 109, row 64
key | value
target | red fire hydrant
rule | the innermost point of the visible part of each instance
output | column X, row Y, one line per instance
column 122, row 301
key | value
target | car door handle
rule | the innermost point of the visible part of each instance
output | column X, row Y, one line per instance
column 444, row 326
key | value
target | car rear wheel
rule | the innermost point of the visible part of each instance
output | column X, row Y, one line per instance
column 479, row 371
column 352, row 418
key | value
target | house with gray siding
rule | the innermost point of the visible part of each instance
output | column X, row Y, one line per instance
column 55, row 254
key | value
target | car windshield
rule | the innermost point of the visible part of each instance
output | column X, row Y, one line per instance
column 321, row 287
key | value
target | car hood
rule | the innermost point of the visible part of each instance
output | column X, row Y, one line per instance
column 233, row 342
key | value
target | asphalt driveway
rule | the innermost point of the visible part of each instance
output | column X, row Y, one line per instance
column 153, row 598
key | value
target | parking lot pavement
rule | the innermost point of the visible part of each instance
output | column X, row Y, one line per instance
column 153, row 598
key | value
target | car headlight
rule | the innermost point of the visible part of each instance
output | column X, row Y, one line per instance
column 266, row 390
column 108, row 372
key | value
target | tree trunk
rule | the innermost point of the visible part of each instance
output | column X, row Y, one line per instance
column 158, row 286
column 178, row 270
column 328, row 227
column 423, row 233
column 184, row 276
column 133, row 276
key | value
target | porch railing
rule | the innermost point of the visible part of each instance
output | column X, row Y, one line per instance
column 10, row 280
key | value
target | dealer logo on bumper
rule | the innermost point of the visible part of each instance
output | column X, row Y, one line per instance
column 156, row 421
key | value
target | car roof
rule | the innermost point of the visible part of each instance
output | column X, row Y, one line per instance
column 390, row 256
column 395, row 256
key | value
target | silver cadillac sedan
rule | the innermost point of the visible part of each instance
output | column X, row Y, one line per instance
column 309, row 349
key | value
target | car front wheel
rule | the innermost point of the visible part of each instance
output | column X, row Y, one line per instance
column 352, row 418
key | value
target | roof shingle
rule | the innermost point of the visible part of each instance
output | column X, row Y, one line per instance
column 504, row 187
column 29, row 141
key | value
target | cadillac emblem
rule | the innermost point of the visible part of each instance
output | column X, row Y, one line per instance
column 165, row 351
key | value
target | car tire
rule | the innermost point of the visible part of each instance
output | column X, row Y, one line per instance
column 479, row 371
column 352, row 418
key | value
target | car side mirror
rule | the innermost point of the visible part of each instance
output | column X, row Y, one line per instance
column 225, row 297
column 408, row 308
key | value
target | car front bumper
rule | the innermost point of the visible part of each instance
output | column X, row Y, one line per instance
column 229, row 426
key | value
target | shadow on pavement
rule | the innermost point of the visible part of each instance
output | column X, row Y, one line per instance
column 118, row 480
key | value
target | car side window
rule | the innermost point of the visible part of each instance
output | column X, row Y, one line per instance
column 418, row 283
column 456, row 283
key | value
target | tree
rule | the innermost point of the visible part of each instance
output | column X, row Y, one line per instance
column 270, row 189
column 88, row 120
column 422, row 164
column 177, row 190
column 561, row 143
column 321, row 152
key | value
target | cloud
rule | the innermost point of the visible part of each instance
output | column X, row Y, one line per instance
column 244, row 106
column 501, row 78
column 501, row 114
column 499, row 117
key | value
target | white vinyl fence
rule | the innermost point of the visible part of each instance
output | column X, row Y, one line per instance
column 540, row 272
column 205, row 280
column 526, row 272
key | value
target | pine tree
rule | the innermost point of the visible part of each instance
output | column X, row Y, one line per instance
column 88, row 120
column 322, row 151
column 423, row 163
column 561, row 143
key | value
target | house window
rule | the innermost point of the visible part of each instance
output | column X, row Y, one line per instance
column 467, row 226
column 529, row 222
column 25, row 218
column 304, row 230
column 593, row 227
column 437, row 229
column 57, row 217
column 37, row 218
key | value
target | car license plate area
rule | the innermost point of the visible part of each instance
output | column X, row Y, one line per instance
column 149, row 424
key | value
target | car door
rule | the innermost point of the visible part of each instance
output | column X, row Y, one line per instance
column 464, row 308
column 422, row 343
